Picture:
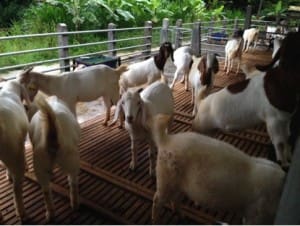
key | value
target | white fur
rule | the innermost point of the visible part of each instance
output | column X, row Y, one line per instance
column 182, row 61
column 227, row 111
column 200, row 90
column 83, row 85
column 147, row 71
column 61, row 148
column 13, row 130
column 215, row 175
column 139, row 73
column 233, row 52
column 137, row 108
column 250, row 36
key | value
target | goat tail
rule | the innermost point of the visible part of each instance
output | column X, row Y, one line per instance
column 48, row 119
column 121, row 69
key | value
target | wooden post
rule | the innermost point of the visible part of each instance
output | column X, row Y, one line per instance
column 63, row 52
column 196, row 39
column 248, row 17
column 178, row 33
column 148, row 39
column 164, row 31
column 111, row 35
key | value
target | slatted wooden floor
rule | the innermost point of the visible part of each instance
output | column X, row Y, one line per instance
column 111, row 193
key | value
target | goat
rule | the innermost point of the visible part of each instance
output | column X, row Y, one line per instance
column 269, row 98
column 13, row 131
column 147, row 71
column 233, row 51
column 199, row 167
column 137, row 107
column 250, row 36
column 201, row 77
column 84, row 85
column 182, row 61
column 54, row 133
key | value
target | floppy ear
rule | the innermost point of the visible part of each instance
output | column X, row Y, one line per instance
column 202, row 68
column 119, row 113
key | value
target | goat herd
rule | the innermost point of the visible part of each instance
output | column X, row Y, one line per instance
column 208, row 171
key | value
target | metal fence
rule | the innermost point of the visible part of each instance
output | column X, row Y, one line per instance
column 127, row 43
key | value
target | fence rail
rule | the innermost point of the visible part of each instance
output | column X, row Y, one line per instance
column 142, row 41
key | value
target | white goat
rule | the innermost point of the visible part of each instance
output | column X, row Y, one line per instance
column 214, row 174
column 137, row 107
column 54, row 133
column 250, row 36
column 233, row 51
column 250, row 102
column 84, row 85
column 182, row 61
column 13, row 131
column 147, row 71
column 201, row 77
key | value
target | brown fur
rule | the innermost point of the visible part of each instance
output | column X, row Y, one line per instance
column 238, row 87
column 165, row 51
column 278, row 90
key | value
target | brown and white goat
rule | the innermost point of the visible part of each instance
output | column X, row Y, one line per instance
column 270, row 98
column 147, row 71
column 54, row 133
column 201, row 77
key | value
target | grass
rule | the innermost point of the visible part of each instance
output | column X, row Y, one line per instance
column 14, row 45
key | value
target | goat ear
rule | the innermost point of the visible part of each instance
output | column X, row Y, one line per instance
column 23, row 77
column 202, row 66
column 119, row 112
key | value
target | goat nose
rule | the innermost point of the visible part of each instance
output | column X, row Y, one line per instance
column 129, row 119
